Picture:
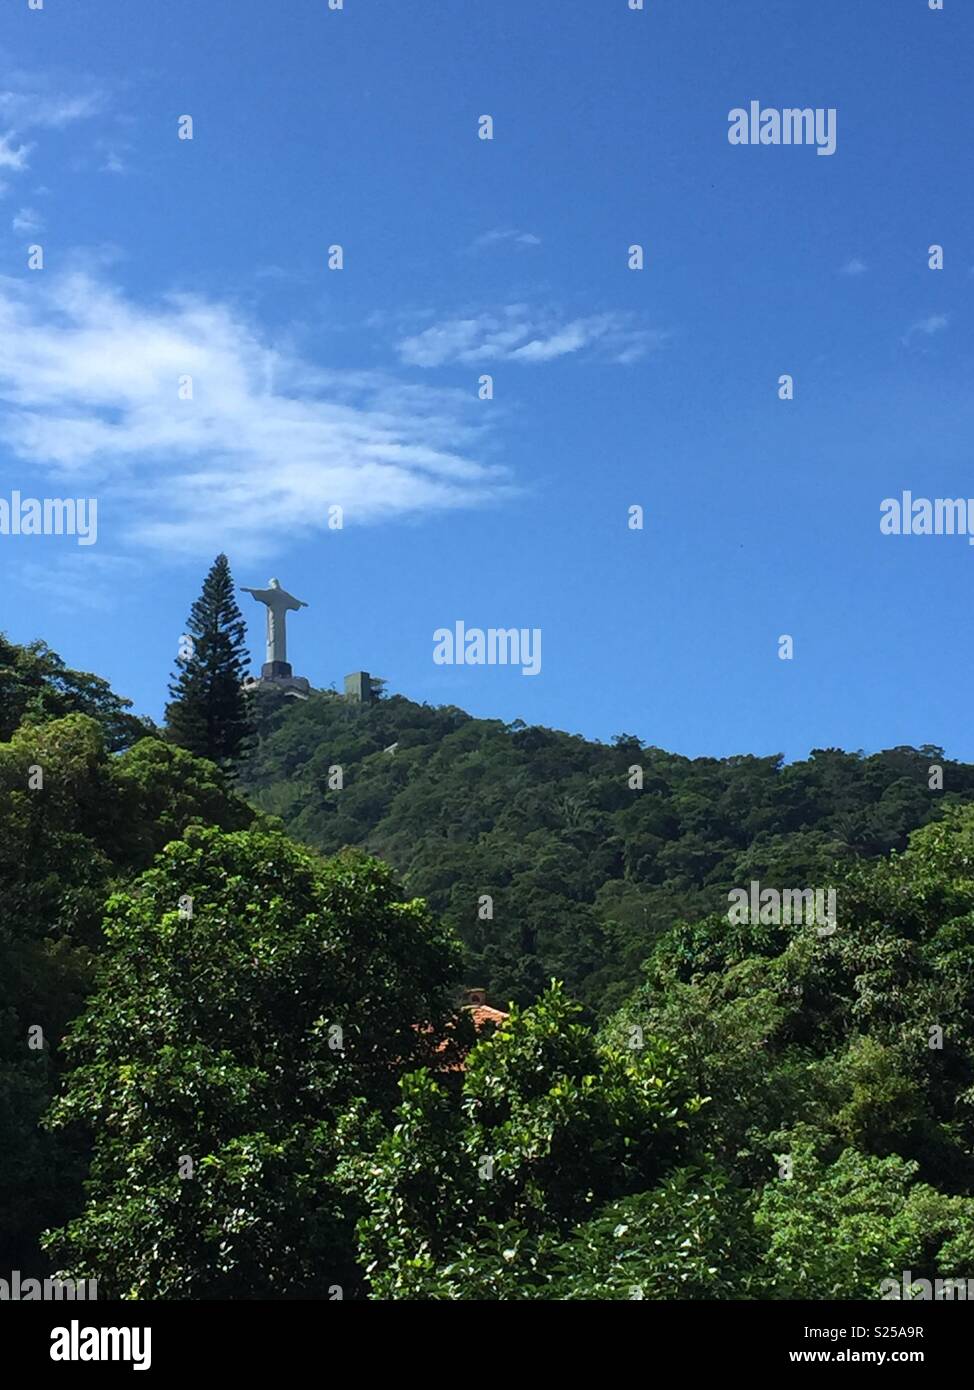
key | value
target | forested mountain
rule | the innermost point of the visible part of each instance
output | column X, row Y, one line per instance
column 584, row 870
column 233, row 1068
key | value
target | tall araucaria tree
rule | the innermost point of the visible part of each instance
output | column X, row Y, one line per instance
column 209, row 712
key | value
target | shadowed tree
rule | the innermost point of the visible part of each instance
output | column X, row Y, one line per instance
column 209, row 712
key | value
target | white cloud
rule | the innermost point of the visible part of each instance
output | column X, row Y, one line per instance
column 27, row 221
column 90, row 381
column 516, row 334
column 927, row 327
column 854, row 267
column 508, row 234
column 563, row 340
column 112, row 155
column 114, row 164
column 30, row 104
column 12, row 157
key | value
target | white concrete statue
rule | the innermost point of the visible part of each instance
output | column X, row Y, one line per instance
column 279, row 603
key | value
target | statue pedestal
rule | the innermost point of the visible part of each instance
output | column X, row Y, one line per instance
column 276, row 675
column 276, row 670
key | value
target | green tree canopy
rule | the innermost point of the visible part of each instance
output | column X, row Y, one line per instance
column 466, row 1193
column 75, row 820
column 587, row 865
column 229, row 1034
column 36, row 685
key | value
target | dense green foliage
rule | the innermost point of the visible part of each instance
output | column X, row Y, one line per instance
column 584, row 871
column 221, row 1045
column 75, row 820
column 209, row 712
column 35, row 685
column 463, row 1198
column 833, row 1149
column 264, row 1087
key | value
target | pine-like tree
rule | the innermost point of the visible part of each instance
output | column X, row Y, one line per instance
column 209, row 713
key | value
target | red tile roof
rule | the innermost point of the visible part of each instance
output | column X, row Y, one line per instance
column 483, row 1013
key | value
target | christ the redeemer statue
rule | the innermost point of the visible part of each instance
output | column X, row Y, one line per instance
column 279, row 603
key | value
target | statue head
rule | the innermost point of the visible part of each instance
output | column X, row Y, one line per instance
column 274, row 583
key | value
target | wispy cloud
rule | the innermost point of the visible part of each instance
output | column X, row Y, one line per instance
column 854, row 267
column 267, row 443
column 113, row 163
column 70, row 579
column 27, row 221
column 13, row 156
column 927, row 327
column 33, row 105
column 30, row 104
column 504, row 234
column 518, row 334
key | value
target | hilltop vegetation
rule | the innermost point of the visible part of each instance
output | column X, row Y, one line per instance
column 233, row 1067
column 584, row 872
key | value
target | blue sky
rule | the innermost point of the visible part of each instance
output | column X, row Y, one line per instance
column 612, row 387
